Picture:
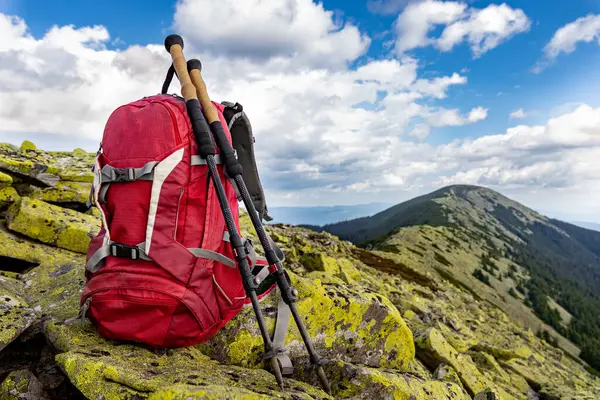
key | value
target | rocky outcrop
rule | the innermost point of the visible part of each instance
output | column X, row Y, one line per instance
column 387, row 326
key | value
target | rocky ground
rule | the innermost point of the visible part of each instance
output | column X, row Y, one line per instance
column 390, row 329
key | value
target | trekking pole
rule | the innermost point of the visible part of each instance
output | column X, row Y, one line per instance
column 174, row 45
column 234, row 169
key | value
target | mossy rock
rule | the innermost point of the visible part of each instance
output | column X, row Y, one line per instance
column 15, row 313
column 434, row 350
column 343, row 324
column 78, row 152
column 64, row 228
column 8, row 196
column 359, row 382
column 446, row 373
column 5, row 180
column 20, row 248
column 101, row 368
column 22, row 385
column 64, row 192
column 28, row 146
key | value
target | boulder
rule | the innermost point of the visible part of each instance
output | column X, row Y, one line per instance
column 5, row 180
column 343, row 324
column 446, row 373
column 15, row 313
column 110, row 370
column 8, row 196
column 22, row 385
column 28, row 146
column 434, row 350
column 351, row 381
column 64, row 228
column 64, row 192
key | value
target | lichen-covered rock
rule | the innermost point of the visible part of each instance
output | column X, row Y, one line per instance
column 45, row 168
column 51, row 224
column 22, row 385
column 343, row 324
column 14, row 246
column 15, row 313
column 358, row 382
column 5, row 180
column 446, row 373
column 28, row 146
column 54, row 289
column 102, row 369
column 8, row 196
column 64, row 192
column 512, row 383
column 94, row 211
column 433, row 349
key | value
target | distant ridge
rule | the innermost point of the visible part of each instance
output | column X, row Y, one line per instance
column 465, row 231
column 318, row 215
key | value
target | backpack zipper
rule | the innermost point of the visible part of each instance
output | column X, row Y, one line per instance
column 177, row 215
column 173, row 121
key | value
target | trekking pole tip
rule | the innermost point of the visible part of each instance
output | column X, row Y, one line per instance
column 172, row 40
column 277, row 372
column 323, row 379
column 194, row 63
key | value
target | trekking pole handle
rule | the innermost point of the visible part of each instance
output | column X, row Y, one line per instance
column 194, row 67
column 206, row 147
column 233, row 167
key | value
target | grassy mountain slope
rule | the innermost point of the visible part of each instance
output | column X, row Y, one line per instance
column 542, row 271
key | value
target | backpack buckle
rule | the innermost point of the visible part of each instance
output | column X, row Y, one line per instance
column 122, row 174
column 123, row 251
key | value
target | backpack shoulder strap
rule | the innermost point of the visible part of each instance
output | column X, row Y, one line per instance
column 243, row 143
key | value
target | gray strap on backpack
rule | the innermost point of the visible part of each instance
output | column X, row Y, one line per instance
column 243, row 143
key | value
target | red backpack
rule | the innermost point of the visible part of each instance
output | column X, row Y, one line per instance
column 161, row 271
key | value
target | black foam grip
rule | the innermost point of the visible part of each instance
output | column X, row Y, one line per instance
column 194, row 63
column 206, row 146
column 171, row 40
column 232, row 166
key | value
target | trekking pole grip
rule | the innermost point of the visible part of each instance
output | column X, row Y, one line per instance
column 206, row 147
column 233, row 167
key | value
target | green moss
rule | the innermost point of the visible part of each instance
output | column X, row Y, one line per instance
column 116, row 372
column 64, row 192
column 28, row 146
column 5, row 180
column 78, row 152
column 54, row 225
column 361, row 327
column 353, row 381
column 8, row 196
column 15, row 313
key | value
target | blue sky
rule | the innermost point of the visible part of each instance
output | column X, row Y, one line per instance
column 501, row 81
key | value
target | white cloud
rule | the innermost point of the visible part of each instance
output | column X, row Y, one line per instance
column 484, row 29
column 584, row 29
column 417, row 20
column 309, row 129
column 517, row 114
column 264, row 29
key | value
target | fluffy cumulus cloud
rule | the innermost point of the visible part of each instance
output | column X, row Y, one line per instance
column 483, row 29
column 267, row 29
column 584, row 29
column 562, row 153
